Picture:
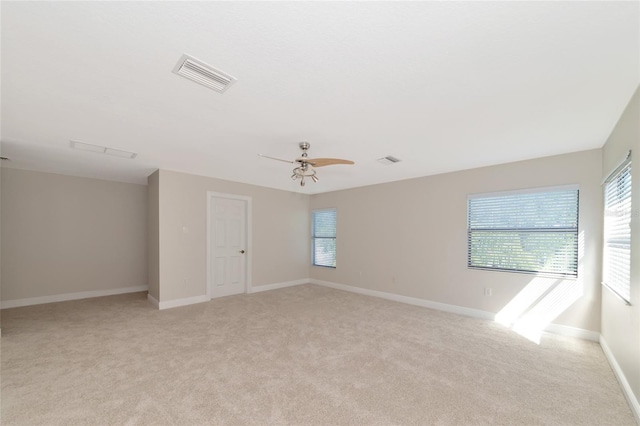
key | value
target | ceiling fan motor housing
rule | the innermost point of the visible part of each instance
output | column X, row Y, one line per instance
column 304, row 146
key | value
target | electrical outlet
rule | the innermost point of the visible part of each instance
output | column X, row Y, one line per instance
column 487, row 291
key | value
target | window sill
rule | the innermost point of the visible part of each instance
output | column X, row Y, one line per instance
column 615, row 293
column 537, row 274
column 324, row 266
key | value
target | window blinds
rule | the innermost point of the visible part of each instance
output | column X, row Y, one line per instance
column 324, row 237
column 617, row 232
column 534, row 232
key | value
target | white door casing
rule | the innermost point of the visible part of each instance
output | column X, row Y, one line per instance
column 228, row 244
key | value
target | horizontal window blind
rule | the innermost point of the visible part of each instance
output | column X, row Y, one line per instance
column 533, row 232
column 616, row 272
column 324, row 237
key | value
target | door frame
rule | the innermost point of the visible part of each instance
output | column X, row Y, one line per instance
column 211, row 195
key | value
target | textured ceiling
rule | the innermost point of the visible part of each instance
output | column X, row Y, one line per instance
column 443, row 86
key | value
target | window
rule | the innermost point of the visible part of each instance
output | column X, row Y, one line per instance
column 528, row 231
column 323, row 236
column 617, row 232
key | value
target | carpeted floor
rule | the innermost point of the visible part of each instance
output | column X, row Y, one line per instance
column 304, row 355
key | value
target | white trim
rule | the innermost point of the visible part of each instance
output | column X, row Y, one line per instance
column 153, row 301
column 475, row 313
column 624, row 384
column 248, row 236
column 206, row 298
column 555, row 188
column 615, row 293
column 183, row 302
column 561, row 330
column 568, row 331
column 615, row 172
column 6, row 304
column 275, row 286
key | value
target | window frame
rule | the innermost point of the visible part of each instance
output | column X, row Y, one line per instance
column 540, row 190
column 314, row 237
column 621, row 290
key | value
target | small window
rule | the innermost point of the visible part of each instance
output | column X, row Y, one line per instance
column 530, row 232
column 616, row 271
column 323, row 236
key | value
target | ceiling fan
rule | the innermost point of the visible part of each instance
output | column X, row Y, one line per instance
column 305, row 168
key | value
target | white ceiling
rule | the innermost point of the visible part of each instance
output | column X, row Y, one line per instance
column 443, row 86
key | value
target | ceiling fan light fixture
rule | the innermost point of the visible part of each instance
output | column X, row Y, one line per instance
column 304, row 171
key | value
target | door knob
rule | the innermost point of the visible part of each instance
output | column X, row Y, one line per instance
column 241, row 251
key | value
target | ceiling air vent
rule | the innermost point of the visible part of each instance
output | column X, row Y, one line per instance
column 102, row 150
column 203, row 74
column 388, row 160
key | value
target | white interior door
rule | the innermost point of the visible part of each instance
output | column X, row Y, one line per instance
column 228, row 246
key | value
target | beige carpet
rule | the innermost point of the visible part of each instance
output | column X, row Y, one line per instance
column 305, row 355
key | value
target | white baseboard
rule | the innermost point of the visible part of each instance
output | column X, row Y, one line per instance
column 275, row 286
column 580, row 333
column 6, row 304
column 204, row 298
column 622, row 379
column 153, row 301
column 182, row 302
column 562, row 330
column 475, row 313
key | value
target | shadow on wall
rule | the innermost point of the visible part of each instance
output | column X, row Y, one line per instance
column 542, row 300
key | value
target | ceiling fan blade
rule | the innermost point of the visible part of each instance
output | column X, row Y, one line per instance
column 278, row 159
column 321, row 162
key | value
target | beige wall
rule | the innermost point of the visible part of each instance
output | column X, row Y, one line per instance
column 280, row 233
column 621, row 323
column 63, row 234
column 153, row 230
column 0, row 236
column 409, row 237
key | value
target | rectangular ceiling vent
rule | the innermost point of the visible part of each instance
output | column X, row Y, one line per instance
column 204, row 74
column 389, row 159
column 102, row 150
